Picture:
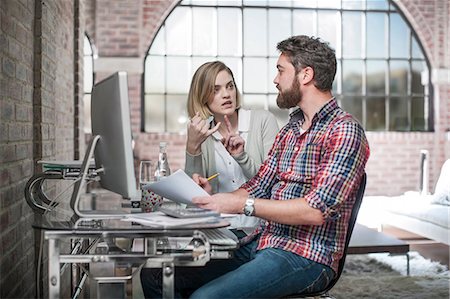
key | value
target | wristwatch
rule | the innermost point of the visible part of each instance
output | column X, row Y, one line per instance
column 249, row 208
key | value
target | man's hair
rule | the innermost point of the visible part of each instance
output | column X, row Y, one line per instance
column 304, row 51
column 202, row 88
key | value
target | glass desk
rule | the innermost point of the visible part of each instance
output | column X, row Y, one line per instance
column 108, row 245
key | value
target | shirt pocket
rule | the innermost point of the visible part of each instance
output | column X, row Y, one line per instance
column 308, row 162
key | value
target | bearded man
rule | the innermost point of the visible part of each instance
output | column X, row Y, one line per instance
column 304, row 191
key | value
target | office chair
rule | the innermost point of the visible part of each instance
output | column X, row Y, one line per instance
column 351, row 225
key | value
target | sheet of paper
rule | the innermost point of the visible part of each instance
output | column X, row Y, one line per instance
column 158, row 219
column 178, row 187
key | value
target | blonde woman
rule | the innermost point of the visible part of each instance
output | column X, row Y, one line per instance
column 222, row 137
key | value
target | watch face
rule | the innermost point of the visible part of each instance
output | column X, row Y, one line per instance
column 249, row 208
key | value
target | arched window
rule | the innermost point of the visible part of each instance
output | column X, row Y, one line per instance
column 382, row 76
column 88, row 75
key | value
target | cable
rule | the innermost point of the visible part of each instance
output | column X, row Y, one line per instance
column 51, row 204
column 38, row 274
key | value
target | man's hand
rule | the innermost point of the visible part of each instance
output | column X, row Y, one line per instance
column 197, row 132
column 229, row 203
column 202, row 182
column 232, row 142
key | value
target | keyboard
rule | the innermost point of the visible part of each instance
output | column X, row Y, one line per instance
column 220, row 236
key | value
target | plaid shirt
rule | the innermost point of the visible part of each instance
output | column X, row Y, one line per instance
column 324, row 165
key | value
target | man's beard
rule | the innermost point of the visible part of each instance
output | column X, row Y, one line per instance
column 291, row 97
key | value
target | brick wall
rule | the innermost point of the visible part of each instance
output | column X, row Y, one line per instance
column 16, row 148
column 37, row 122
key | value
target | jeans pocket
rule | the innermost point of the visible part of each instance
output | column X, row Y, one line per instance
column 321, row 282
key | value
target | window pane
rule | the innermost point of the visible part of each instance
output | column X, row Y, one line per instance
column 88, row 73
column 154, row 113
column 337, row 83
column 255, row 2
column 255, row 75
column 329, row 4
column 416, row 77
column 255, row 101
column 351, row 35
column 416, row 51
column 87, row 113
column 229, row 2
column 398, row 114
column 204, row 31
column 398, row 82
column 178, row 74
column 235, row 64
column 376, row 77
column 399, row 37
column 282, row 115
column 279, row 28
column 378, row 4
column 179, row 32
column 305, row 3
column 376, row 35
column 204, row 2
column 304, row 22
column 353, row 105
column 359, row 4
column 272, row 72
column 158, row 46
column 197, row 62
column 255, row 32
column 327, row 29
column 280, row 3
column 418, row 121
column 376, row 114
column 352, row 76
column 230, row 31
column 155, row 74
column 177, row 116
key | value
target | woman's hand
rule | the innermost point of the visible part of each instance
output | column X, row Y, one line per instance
column 202, row 182
column 197, row 132
column 232, row 142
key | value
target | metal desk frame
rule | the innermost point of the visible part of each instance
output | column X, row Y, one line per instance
column 153, row 256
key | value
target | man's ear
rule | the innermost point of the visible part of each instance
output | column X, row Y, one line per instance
column 306, row 75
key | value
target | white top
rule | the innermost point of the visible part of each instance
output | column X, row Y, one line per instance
column 231, row 176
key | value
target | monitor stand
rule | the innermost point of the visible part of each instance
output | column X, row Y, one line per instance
column 78, row 189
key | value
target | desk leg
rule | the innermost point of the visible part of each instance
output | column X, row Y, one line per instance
column 53, row 269
column 407, row 264
column 168, row 280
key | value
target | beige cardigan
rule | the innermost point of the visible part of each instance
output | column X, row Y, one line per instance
column 261, row 135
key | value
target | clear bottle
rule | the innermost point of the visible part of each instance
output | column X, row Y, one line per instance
column 162, row 169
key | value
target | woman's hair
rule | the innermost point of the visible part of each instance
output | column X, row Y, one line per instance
column 202, row 88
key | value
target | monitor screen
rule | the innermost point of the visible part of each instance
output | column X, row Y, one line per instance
column 110, row 119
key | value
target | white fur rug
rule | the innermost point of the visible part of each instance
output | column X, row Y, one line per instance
column 384, row 276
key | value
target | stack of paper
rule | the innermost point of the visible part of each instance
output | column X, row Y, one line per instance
column 178, row 187
column 158, row 219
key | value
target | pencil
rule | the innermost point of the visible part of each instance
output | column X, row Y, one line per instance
column 213, row 176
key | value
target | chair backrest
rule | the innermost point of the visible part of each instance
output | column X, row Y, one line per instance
column 351, row 225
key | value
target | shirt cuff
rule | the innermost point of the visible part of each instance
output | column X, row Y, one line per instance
column 316, row 202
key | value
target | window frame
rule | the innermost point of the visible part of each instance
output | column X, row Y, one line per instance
column 391, row 10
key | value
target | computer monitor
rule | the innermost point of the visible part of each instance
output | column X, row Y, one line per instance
column 111, row 143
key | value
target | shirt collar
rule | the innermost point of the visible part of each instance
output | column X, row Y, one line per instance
column 330, row 106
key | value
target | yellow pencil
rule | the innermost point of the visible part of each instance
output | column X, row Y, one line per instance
column 213, row 176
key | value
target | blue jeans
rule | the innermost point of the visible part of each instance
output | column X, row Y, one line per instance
column 267, row 273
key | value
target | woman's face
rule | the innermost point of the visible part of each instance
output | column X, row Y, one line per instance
column 224, row 100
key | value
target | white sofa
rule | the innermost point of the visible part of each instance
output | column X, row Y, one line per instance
column 427, row 215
